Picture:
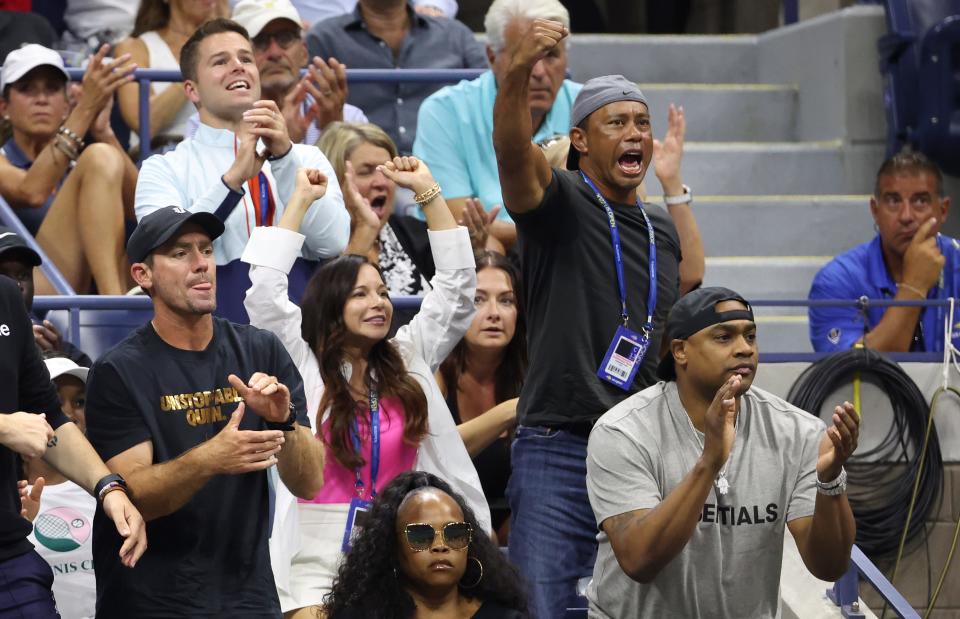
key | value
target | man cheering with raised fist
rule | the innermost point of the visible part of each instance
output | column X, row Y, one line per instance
column 601, row 271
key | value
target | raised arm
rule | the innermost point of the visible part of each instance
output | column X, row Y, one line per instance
column 826, row 538
column 524, row 171
column 666, row 163
column 646, row 540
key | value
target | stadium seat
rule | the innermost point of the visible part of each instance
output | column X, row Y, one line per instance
column 920, row 63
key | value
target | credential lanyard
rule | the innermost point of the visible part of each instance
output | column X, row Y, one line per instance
column 374, row 446
column 618, row 258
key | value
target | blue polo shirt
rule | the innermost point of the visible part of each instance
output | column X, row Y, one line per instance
column 860, row 272
column 455, row 137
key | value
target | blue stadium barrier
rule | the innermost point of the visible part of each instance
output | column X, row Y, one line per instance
column 50, row 271
column 355, row 76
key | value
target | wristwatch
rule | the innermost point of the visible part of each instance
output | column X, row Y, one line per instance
column 835, row 487
column 287, row 425
column 685, row 198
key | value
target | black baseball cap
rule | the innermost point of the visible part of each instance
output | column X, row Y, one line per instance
column 595, row 94
column 12, row 243
column 159, row 226
column 694, row 312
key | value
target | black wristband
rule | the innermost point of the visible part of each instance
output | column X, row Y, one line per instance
column 276, row 157
column 285, row 426
column 107, row 480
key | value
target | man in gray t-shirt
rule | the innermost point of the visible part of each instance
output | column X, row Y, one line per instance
column 693, row 480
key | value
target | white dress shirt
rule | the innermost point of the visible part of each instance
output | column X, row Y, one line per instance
column 190, row 177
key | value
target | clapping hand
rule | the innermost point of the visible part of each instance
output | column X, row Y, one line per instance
column 839, row 442
column 102, row 78
column 478, row 222
column 361, row 213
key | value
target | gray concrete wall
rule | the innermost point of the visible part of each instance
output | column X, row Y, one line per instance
column 833, row 61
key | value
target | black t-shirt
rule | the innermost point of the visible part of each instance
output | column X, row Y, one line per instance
column 573, row 303
column 210, row 557
column 26, row 387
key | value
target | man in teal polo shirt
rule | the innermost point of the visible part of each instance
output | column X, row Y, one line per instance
column 455, row 124
column 908, row 259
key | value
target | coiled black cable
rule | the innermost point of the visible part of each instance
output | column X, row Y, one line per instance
column 881, row 480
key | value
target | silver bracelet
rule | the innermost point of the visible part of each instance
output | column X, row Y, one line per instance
column 833, row 487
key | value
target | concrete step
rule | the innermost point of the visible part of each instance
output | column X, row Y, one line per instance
column 781, row 225
column 765, row 277
column 668, row 58
column 774, row 168
column 728, row 112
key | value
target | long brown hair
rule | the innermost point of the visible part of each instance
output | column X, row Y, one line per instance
column 513, row 368
column 152, row 15
column 324, row 331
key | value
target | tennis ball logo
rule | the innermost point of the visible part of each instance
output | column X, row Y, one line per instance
column 61, row 529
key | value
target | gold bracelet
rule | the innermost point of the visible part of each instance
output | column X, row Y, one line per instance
column 917, row 291
column 424, row 198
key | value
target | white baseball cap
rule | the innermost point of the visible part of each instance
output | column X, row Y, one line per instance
column 21, row 61
column 58, row 366
column 253, row 15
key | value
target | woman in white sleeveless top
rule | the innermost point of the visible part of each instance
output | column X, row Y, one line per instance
column 161, row 29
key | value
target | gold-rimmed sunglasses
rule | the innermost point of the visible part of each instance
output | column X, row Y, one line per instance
column 420, row 535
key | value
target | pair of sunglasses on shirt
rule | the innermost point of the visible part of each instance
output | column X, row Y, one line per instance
column 420, row 536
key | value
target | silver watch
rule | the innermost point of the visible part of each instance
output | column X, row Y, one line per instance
column 836, row 487
column 685, row 198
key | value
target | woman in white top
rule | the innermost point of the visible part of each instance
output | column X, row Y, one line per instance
column 382, row 411
column 161, row 29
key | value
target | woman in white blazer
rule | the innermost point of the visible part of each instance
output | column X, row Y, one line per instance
column 380, row 409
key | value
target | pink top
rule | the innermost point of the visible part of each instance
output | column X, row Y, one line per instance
column 339, row 482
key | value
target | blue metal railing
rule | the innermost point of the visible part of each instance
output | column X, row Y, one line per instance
column 354, row 76
column 50, row 271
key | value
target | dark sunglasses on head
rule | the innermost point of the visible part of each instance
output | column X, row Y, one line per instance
column 420, row 536
column 284, row 38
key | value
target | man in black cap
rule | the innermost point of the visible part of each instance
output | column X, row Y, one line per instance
column 692, row 480
column 17, row 261
column 601, row 270
column 166, row 409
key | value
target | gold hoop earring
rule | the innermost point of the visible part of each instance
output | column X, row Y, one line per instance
column 479, row 578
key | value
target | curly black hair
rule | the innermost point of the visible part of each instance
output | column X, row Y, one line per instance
column 367, row 584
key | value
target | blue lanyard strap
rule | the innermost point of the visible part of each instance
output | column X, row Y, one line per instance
column 618, row 258
column 374, row 448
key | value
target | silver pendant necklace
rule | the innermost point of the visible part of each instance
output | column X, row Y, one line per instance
column 721, row 481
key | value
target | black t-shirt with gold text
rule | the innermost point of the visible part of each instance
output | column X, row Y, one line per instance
column 209, row 558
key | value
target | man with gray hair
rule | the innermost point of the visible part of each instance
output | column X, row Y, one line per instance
column 455, row 123
column 593, row 256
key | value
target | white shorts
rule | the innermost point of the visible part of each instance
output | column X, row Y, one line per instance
column 314, row 566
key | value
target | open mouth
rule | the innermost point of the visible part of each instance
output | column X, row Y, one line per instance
column 631, row 162
column 377, row 204
column 239, row 85
column 376, row 320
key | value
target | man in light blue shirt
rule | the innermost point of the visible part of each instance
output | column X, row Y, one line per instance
column 455, row 124
column 907, row 260
column 241, row 165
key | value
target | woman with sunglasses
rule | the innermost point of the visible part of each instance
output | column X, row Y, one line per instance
column 420, row 554
column 373, row 400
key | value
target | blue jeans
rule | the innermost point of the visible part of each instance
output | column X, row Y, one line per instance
column 26, row 583
column 552, row 531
